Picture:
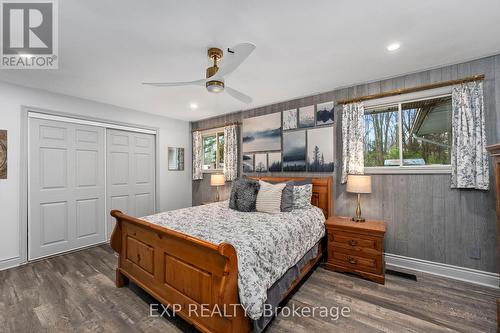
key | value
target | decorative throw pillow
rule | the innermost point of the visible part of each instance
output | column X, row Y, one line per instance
column 269, row 197
column 286, row 196
column 244, row 195
column 302, row 196
column 305, row 181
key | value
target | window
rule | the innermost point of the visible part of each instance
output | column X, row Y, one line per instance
column 213, row 151
column 381, row 136
column 409, row 134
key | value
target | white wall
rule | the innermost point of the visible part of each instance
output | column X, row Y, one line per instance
column 175, row 186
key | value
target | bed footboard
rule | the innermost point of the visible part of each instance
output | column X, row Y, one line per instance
column 196, row 279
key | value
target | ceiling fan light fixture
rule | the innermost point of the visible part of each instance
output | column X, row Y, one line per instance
column 215, row 86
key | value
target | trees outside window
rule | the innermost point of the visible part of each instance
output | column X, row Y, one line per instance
column 213, row 151
column 416, row 133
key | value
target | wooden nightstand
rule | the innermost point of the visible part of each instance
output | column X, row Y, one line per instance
column 356, row 248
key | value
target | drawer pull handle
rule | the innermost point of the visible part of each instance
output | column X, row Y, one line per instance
column 353, row 242
column 352, row 260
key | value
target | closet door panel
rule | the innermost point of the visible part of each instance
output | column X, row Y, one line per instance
column 89, row 211
column 66, row 187
column 130, row 173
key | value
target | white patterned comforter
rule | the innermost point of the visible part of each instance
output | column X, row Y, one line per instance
column 267, row 245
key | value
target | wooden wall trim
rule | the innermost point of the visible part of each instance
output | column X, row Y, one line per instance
column 412, row 89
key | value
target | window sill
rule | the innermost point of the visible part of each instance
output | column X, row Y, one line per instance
column 213, row 171
column 408, row 170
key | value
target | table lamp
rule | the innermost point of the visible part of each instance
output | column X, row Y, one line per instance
column 359, row 184
column 217, row 180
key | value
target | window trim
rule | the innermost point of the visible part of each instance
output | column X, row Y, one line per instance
column 405, row 169
column 210, row 132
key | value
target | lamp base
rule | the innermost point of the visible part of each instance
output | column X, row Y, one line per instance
column 217, row 195
column 357, row 217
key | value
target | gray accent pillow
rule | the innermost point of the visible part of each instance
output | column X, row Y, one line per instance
column 244, row 195
column 286, row 196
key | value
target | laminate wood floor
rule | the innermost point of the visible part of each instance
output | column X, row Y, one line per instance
column 76, row 293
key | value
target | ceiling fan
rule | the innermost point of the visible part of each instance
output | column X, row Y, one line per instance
column 222, row 66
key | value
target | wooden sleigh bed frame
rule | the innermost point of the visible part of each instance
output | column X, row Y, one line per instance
column 190, row 275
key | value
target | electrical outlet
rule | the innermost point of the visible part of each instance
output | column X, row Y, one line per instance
column 475, row 253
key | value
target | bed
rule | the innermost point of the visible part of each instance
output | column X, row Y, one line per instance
column 197, row 273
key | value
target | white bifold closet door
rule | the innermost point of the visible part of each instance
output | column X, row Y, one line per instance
column 66, row 187
column 130, row 173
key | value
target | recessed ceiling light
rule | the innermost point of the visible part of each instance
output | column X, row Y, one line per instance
column 193, row 106
column 393, row 46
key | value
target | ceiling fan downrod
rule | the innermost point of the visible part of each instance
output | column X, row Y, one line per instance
column 215, row 86
column 216, row 55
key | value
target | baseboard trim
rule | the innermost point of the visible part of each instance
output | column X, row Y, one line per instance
column 453, row 272
column 11, row 263
column 18, row 261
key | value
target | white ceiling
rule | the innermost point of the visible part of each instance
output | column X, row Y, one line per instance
column 107, row 48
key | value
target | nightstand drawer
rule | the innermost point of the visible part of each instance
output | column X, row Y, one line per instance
column 372, row 265
column 355, row 242
column 356, row 247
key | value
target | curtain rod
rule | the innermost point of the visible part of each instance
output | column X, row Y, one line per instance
column 209, row 128
column 411, row 90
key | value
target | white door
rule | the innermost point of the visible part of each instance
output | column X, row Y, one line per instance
column 66, row 187
column 130, row 174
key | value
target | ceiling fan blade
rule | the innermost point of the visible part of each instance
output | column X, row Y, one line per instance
column 239, row 95
column 233, row 57
column 176, row 84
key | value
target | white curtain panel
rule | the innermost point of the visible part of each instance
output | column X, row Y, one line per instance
column 197, row 156
column 353, row 135
column 230, row 152
column 469, row 159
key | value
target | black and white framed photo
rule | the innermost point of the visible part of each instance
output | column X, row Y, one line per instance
column 294, row 151
column 306, row 116
column 248, row 163
column 290, row 119
column 262, row 133
column 325, row 114
column 320, row 149
column 261, row 162
column 274, row 162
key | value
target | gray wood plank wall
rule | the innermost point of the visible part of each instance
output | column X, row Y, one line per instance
column 425, row 218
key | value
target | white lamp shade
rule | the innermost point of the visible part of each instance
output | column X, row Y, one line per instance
column 359, row 184
column 217, row 180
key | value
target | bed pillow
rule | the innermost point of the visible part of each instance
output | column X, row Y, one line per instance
column 304, row 181
column 286, row 196
column 269, row 197
column 244, row 195
column 302, row 195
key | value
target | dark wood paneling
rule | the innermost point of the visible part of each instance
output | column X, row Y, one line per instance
column 425, row 218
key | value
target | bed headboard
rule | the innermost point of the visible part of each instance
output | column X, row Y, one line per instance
column 322, row 190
